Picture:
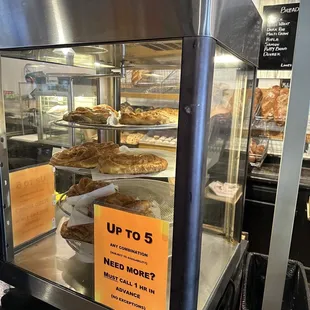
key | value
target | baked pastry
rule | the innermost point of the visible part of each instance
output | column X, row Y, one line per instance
column 134, row 138
column 104, row 147
column 260, row 149
column 268, row 102
column 280, row 107
column 151, row 117
column 136, row 76
column 86, row 185
column 131, row 164
column 77, row 156
column 255, row 151
column 117, row 199
column 258, row 95
column 84, row 232
column 126, row 108
column 83, row 156
column 142, row 207
column 103, row 108
column 97, row 115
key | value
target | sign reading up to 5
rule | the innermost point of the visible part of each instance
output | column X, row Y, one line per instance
column 131, row 260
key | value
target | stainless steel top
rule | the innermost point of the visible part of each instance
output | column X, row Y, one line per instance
column 37, row 23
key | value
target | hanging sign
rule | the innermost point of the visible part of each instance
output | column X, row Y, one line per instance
column 32, row 202
column 278, row 36
column 131, row 260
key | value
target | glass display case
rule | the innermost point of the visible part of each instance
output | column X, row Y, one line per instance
column 155, row 141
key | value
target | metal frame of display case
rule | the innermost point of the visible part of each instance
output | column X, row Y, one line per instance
column 290, row 167
column 234, row 24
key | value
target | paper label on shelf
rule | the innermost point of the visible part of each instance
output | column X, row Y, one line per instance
column 33, row 212
column 131, row 260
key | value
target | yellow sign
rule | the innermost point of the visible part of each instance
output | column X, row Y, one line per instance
column 33, row 211
column 131, row 260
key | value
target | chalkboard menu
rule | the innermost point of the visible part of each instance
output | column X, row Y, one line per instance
column 278, row 37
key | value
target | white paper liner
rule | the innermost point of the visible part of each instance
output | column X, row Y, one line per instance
column 113, row 120
column 86, row 199
column 82, row 202
column 227, row 190
column 168, row 173
column 78, row 218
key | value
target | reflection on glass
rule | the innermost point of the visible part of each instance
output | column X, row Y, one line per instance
column 43, row 95
column 226, row 165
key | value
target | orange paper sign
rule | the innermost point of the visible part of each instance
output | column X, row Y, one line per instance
column 33, row 211
column 131, row 260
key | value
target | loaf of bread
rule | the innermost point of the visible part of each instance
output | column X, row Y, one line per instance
column 280, row 107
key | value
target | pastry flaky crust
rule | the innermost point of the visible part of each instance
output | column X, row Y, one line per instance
column 131, row 204
column 131, row 164
column 84, row 232
column 97, row 115
column 84, row 156
column 151, row 117
column 86, row 185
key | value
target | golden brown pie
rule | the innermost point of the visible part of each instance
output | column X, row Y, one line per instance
column 131, row 164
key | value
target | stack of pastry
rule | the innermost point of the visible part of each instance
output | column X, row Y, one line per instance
column 151, row 117
column 85, row 232
column 84, row 156
column 97, row 115
column 107, row 157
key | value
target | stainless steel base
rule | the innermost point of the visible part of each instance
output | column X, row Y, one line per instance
column 52, row 259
